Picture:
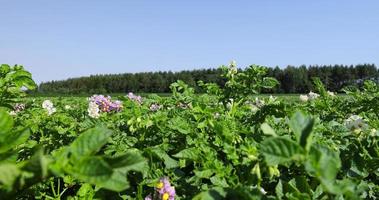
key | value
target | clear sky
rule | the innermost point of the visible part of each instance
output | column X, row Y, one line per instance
column 69, row 38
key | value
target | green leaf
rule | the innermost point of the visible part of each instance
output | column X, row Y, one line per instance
column 280, row 150
column 302, row 126
column 96, row 171
column 179, row 124
column 6, row 123
column 132, row 160
column 189, row 154
column 117, row 182
column 9, row 156
column 61, row 161
column 204, row 173
column 4, row 69
column 161, row 154
column 8, row 174
column 23, row 78
column 267, row 130
column 300, row 184
column 213, row 194
column 90, row 142
column 239, row 192
column 269, row 82
column 38, row 165
column 373, row 164
column 279, row 190
column 14, row 139
column 86, row 191
column 323, row 164
column 219, row 181
column 92, row 169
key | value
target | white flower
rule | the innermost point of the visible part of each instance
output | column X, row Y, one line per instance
column 50, row 111
column 229, row 105
column 67, row 107
column 303, row 98
column 331, row 93
column 93, row 110
column 216, row 115
column 272, row 98
column 232, row 69
column 263, row 191
column 374, row 132
column 154, row 107
column 313, row 95
column 355, row 122
column 259, row 103
column 49, row 106
column 12, row 113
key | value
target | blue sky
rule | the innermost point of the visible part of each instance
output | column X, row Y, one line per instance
column 60, row 39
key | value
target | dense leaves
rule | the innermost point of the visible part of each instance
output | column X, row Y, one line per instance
column 227, row 143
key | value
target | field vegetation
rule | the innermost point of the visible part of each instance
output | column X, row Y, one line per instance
column 227, row 142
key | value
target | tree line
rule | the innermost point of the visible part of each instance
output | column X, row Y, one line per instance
column 292, row 80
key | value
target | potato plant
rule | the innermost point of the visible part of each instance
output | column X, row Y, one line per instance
column 224, row 143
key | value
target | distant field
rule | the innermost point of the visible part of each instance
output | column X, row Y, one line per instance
column 147, row 94
column 284, row 97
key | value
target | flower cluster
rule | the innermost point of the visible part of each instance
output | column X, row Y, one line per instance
column 105, row 104
column 134, row 97
column 216, row 115
column 184, row 105
column 93, row 110
column 303, row 98
column 311, row 96
column 272, row 98
column 164, row 190
column 230, row 104
column 49, row 106
column 154, row 107
column 101, row 103
column 259, row 102
column 232, row 70
column 355, row 122
column 331, row 94
column 17, row 108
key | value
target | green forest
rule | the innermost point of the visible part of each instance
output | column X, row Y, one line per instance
column 292, row 80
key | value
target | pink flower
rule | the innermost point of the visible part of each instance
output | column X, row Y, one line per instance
column 134, row 97
column 105, row 104
column 148, row 197
column 165, row 190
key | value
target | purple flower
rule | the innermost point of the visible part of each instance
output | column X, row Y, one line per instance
column 18, row 107
column 105, row 104
column 154, row 107
column 148, row 197
column 165, row 190
column 115, row 106
column 134, row 97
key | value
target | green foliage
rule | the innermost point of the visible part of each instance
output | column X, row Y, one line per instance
column 281, row 150
column 223, row 144
column 12, row 80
